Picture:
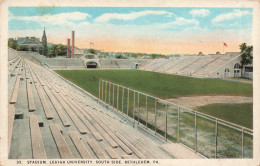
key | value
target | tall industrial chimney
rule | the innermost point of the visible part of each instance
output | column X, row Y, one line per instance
column 68, row 48
column 72, row 44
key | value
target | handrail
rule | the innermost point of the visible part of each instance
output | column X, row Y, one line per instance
column 190, row 110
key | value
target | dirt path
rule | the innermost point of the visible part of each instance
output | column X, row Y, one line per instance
column 196, row 101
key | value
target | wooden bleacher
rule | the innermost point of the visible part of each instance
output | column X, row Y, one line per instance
column 73, row 125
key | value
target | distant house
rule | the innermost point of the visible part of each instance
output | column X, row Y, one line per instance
column 78, row 53
column 31, row 43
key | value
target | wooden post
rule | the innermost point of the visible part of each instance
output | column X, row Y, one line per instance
column 117, row 97
column 242, row 144
column 155, row 109
column 102, row 89
column 113, row 94
column 216, row 138
column 106, row 92
column 146, row 111
column 195, row 136
column 166, row 115
column 99, row 89
column 178, row 124
column 122, row 99
column 138, row 108
column 109, row 93
column 127, row 109
column 134, row 106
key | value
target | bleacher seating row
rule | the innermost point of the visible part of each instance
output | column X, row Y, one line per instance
column 189, row 65
column 53, row 62
column 50, row 118
column 119, row 63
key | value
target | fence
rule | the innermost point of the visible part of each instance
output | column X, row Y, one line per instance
column 207, row 135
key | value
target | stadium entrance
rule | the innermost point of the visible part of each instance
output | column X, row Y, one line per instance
column 91, row 64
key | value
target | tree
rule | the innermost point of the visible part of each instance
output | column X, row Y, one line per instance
column 57, row 50
column 120, row 56
column 246, row 55
column 92, row 51
column 21, row 48
column 12, row 44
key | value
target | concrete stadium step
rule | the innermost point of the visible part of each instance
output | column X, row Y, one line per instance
column 44, row 102
column 109, row 136
column 61, row 144
column 99, row 121
column 79, row 145
column 11, row 117
column 57, row 107
column 112, row 153
column 82, row 129
column 37, row 142
column 15, row 90
column 130, row 135
column 31, row 104
column 99, row 128
column 176, row 150
column 97, row 150
column 15, row 65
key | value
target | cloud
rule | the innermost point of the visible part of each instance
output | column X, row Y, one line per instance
column 183, row 21
column 130, row 16
column 200, row 13
column 63, row 19
column 231, row 15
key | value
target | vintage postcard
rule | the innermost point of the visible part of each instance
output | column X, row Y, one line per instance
column 129, row 82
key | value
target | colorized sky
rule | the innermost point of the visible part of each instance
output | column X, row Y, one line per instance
column 137, row 29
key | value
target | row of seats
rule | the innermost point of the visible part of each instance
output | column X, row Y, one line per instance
column 55, row 62
column 49, row 118
column 189, row 65
column 119, row 63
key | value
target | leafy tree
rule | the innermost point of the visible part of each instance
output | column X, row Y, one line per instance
column 45, row 50
column 57, row 50
column 12, row 44
column 92, row 51
column 119, row 56
column 21, row 48
column 246, row 54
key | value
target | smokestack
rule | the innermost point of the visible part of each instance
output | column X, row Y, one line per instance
column 68, row 48
column 72, row 44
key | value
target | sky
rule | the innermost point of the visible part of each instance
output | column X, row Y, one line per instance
column 164, row 30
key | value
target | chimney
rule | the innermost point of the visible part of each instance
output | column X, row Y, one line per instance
column 68, row 48
column 72, row 44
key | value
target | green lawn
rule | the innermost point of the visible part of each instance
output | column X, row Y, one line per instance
column 241, row 114
column 157, row 84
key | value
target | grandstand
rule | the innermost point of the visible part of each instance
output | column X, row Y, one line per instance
column 49, row 117
column 120, row 63
column 197, row 66
column 58, row 62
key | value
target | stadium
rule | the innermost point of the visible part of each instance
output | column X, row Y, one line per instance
column 87, row 106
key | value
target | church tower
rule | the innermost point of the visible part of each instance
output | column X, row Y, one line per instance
column 44, row 43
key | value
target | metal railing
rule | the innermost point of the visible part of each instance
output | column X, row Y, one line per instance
column 205, row 134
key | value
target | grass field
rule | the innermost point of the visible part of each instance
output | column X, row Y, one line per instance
column 156, row 84
column 168, row 86
column 241, row 114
